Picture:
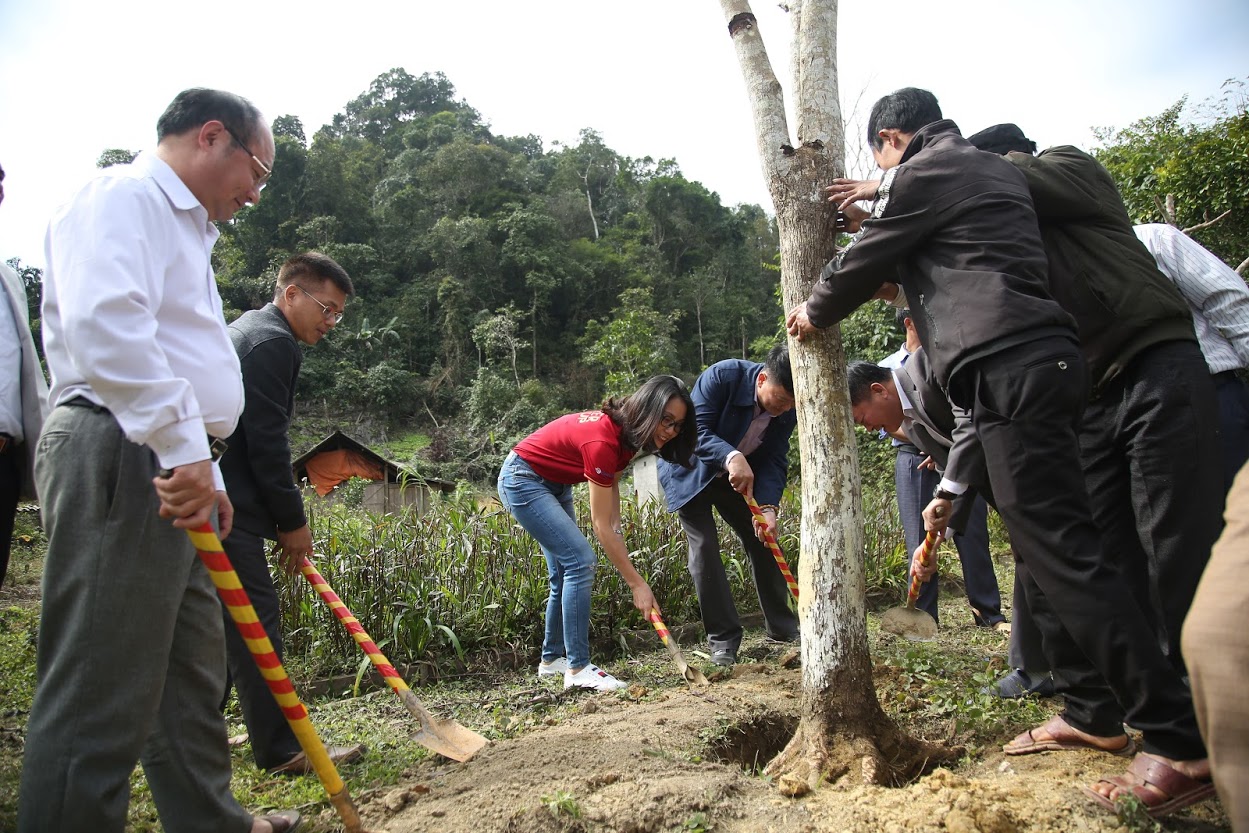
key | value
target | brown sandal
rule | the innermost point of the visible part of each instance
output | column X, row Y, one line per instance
column 1162, row 788
column 1062, row 738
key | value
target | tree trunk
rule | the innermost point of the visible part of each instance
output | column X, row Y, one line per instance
column 843, row 729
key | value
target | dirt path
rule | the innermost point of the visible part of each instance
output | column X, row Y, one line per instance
column 678, row 761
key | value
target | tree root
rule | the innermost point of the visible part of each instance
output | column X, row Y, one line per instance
column 876, row 752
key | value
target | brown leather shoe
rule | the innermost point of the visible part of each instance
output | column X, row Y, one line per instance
column 286, row 821
column 299, row 765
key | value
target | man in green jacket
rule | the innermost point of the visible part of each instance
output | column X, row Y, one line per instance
column 1149, row 440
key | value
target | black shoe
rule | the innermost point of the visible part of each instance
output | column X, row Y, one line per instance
column 724, row 658
column 1018, row 684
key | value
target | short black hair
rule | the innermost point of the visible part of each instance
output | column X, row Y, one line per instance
column 860, row 376
column 778, row 367
column 1002, row 139
column 640, row 413
column 900, row 316
column 313, row 266
column 907, row 110
column 193, row 108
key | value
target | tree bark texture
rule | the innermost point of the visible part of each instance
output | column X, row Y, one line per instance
column 843, row 727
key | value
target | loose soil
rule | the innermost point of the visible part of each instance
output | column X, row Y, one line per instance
column 687, row 760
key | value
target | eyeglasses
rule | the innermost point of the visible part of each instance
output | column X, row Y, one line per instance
column 671, row 424
column 328, row 312
column 263, row 179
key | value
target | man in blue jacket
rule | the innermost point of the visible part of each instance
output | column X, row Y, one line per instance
column 745, row 415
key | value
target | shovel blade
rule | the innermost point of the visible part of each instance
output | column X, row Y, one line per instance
column 446, row 737
column 451, row 740
column 909, row 623
column 693, row 676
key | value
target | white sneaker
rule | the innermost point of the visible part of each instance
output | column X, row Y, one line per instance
column 556, row 666
column 592, row 677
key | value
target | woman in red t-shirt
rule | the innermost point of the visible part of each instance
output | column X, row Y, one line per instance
column 535, row 485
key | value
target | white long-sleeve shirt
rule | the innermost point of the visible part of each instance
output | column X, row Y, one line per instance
column 131, row 316
column 1217, row 296
column 10, row 371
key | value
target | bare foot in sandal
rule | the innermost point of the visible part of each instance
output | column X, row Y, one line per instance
column 1057, row 735
column 1163, row 785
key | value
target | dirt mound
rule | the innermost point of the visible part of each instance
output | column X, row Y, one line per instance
column 689, row 761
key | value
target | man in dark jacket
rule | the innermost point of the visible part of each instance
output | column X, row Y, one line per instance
column 745, row 416
column 956, row 228
column 1149, row 441
column 307, row 304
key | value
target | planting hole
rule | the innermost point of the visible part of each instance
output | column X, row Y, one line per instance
column 752, row 743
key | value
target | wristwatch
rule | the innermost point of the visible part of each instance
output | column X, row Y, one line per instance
column 942, row 494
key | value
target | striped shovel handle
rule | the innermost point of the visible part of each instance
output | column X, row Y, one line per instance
column 925, row 559
column 353, row 626
column 232, row 594
column 443, row 736
column 770, row 539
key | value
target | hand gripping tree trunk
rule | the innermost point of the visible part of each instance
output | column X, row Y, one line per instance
column 843, row 729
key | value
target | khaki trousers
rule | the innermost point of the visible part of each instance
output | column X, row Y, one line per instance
column 1216, row 647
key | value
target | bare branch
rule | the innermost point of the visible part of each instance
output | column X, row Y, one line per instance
column 1244, row 264
column 767, row 99
column 1207, row 223
column 1168, row 216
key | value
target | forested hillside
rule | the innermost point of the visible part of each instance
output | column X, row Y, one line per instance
column 499, row 282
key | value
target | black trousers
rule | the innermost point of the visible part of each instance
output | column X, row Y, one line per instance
column 715, row 598
column 1151, row 456
column 271, row 738
column 10, row 490
column 1026, row 403
column 1233, row 394
column 914, row 490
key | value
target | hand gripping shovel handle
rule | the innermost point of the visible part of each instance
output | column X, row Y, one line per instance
column 925, row 559
column 691, row 675
column 770, row 539
column 232, row 594
column 444, row 737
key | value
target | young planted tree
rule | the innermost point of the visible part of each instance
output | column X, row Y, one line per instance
column 843, row 728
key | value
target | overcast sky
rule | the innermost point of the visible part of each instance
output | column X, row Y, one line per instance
column 654, row 77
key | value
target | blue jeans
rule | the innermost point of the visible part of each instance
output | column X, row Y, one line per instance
column 545, row 510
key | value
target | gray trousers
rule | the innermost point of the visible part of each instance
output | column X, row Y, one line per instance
column 715, row 596
column 131, row 655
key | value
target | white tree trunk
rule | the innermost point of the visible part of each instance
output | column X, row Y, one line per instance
column 839, row 697
column 831, row 577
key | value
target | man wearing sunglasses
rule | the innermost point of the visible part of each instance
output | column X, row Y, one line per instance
column 144, row 383
column 307, row 303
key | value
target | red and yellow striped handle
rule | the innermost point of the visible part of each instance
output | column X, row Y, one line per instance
column 444, row 736
column 925, row 558
column 655, row 619
column 232, row 594
column 770, row 539
column 327, row 594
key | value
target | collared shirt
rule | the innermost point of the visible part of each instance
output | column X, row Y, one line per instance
column 753, row 437
column 1217, row 296
column 131, row 316
column 893, row 361
column 10, row 371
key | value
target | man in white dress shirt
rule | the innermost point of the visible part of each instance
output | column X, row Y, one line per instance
column 23, row 402
column 1219, row 301
column 131, row 648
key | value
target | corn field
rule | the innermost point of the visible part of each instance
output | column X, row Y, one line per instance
column 464, row 580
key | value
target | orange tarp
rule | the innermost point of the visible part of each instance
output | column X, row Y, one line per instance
column 329, row 468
